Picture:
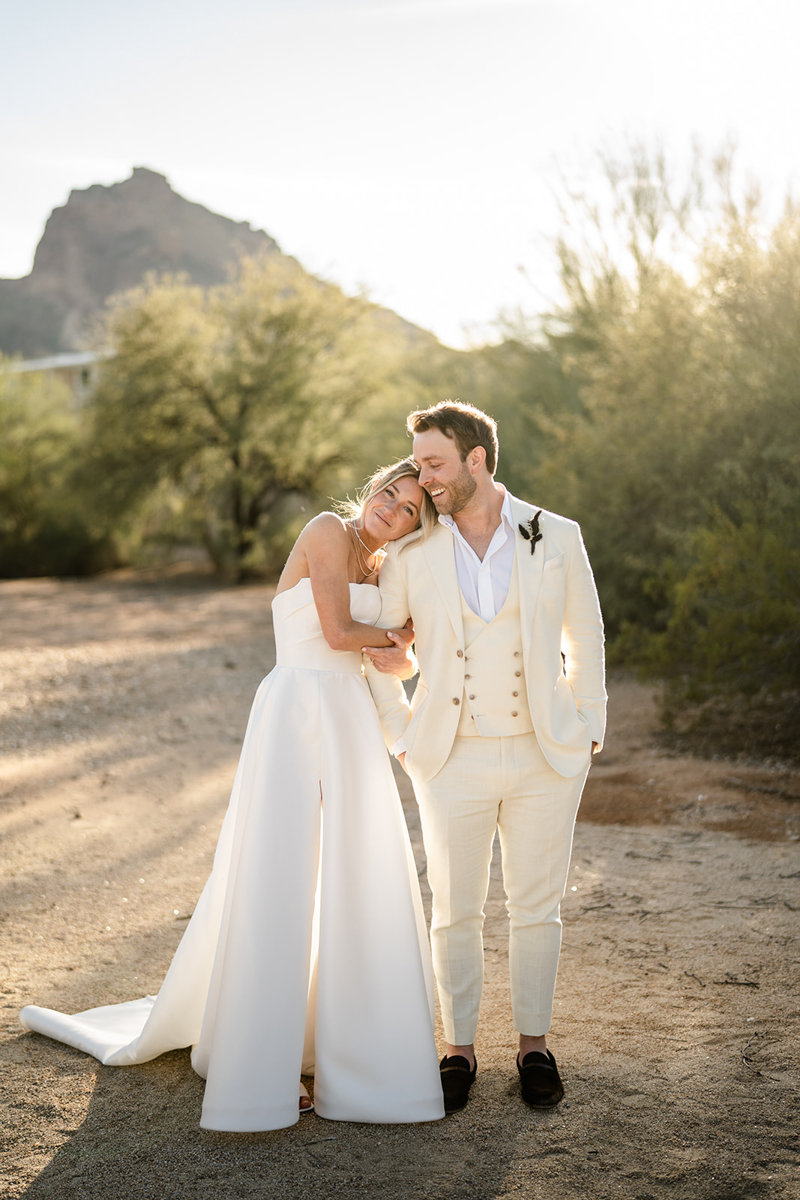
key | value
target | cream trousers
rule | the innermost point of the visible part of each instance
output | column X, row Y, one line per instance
column 506, row 784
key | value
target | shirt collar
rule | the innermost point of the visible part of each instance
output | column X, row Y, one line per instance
column 506, row 516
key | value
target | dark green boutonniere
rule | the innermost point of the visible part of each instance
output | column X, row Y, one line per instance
column 531, row 531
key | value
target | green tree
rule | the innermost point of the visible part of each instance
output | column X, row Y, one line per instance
column 225, row 406
column 734, row 624
column 44, row 528
column 735, row 620
column 680, row 333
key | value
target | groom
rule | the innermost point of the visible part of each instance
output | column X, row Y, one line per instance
column 509, row 706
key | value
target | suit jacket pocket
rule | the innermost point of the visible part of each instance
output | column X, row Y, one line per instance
column 553, row 564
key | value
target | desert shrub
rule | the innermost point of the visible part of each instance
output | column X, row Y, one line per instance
column 45, row 526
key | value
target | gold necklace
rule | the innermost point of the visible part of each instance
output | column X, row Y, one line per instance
column 365, row 570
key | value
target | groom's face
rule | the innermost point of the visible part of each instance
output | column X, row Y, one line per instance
column 448, row 481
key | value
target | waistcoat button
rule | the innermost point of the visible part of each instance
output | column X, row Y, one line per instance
column 456, row 700
column 472, row 697
column 513, row 714
column 515, row 693
column 518, row 673
column 460, row 653
column 516, row 654
column 468, row 677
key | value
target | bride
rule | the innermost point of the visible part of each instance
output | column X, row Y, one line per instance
column 307, row 949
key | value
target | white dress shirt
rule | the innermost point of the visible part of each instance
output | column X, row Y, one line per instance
column 484, row 582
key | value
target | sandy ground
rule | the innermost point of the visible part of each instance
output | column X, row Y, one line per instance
column 122, row 708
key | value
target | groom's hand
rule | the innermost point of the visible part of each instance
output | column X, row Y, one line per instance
column 395, row 659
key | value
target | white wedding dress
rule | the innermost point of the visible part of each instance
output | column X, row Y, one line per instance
column 306, row 952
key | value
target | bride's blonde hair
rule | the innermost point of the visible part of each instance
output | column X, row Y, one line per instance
column 353, row 510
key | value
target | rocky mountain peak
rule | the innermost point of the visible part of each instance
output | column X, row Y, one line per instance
column 103, row 241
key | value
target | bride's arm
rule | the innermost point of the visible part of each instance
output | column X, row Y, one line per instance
column 327, row 551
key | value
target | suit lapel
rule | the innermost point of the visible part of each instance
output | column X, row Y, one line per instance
column 530, row 568
column 441, row 558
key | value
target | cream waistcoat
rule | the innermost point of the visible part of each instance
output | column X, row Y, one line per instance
column 495, row 702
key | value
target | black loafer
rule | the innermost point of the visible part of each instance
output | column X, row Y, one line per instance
column 539, row 1079
column 457, row 1078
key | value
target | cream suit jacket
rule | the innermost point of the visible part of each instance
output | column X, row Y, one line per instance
column 559, row 613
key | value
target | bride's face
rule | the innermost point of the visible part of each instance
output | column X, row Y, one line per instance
column 394, row 510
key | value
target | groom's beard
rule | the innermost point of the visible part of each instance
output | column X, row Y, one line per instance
column 458, row 493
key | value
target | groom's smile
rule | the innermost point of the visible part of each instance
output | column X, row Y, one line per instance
column 444, row 475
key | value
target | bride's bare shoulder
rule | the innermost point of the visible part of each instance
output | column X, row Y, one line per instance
column 325, row 520
column 324, row 540
column 323, row 527
column 322, row 545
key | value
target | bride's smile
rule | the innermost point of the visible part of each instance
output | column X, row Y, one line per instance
column 392, row 512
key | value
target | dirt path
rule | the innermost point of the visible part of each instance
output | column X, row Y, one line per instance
column 122, row 709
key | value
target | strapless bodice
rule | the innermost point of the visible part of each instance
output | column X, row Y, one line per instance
column 299, row 640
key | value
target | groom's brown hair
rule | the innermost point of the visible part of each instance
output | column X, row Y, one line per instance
column 467, row 426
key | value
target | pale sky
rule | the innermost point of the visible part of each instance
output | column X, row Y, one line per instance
column 405, row 145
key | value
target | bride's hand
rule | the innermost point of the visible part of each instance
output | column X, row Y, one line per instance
column 406, row 633
column 396, row 659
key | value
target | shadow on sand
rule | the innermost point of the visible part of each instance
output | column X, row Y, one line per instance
column 140, row 1138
